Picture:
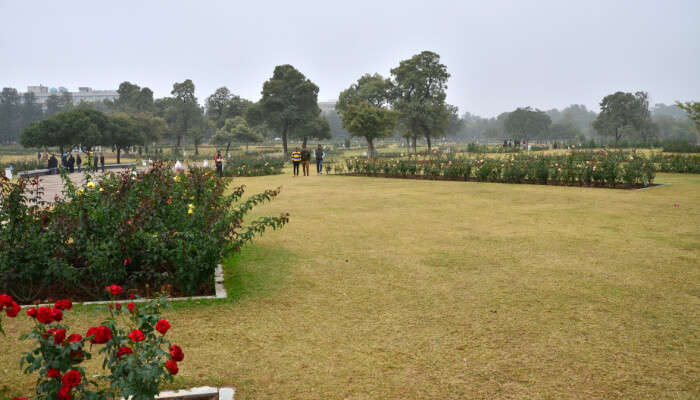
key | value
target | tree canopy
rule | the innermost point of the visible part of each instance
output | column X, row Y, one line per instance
column 289, row 100
column 418, row 94
column 236, row 130
column 526, row 124
column 624, row 112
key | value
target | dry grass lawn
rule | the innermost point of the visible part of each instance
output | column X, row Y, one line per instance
column 409, row 289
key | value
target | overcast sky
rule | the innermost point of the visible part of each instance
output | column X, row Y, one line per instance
column 501, row 54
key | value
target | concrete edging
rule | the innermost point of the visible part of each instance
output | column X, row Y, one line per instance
column 203, row 392
column 218, row 287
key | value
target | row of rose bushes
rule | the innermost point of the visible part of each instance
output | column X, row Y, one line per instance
column 680, row 163
column 253, row 166
column 576, row 168
column 137, row 356
column 137, row 229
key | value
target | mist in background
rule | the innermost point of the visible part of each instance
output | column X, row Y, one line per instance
column 501, row 54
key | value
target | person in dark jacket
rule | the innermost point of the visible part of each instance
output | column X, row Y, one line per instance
column 102, row 161
column 79, row 161
column 53, row 164
column 319, row 159
column 95, row 160
column 71, row 163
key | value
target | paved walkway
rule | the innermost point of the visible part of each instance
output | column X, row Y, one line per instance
column 53, row 185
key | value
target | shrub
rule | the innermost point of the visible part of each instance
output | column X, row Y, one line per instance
column 253, row 166
column 138, row 358
column 138, row 229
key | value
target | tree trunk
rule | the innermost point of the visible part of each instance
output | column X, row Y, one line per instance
column 119, row 150
column 196, row 147
column 413, row 140
column 179, row 140
column 227, row 146
column 370, row 148
column 427, row 138
column 284, row 141
column 408, row 144
column 246, row 147
column 304, row 143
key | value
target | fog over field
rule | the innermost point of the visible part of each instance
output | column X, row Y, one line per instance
column 501, row 54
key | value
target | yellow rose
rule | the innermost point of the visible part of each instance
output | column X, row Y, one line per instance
column 91, row 185
column 190, row 211
column 80, row 191
column 102, row 189
column 176, row 178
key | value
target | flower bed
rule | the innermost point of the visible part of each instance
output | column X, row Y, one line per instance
column 140, row 230
column 138, row 358
column 253, row 166
column 679, row 163
column 603, row 169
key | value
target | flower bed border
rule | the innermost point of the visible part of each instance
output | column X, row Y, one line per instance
column 202, row 392
column 442, row 178
column 219, row 288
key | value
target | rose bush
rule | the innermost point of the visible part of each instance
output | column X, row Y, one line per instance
column 137, row 357
column 138, row 229
column 253, row 166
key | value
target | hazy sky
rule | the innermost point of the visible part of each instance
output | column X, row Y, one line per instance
column 501, row 54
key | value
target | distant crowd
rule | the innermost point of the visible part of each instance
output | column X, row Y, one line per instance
column 70, row 163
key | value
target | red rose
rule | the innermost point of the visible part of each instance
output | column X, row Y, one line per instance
column 101, row 334
column 131, row 295
column 31, row 312
column 176, row 353
column 74, row 338
column 57, row 314
column 53, row 373
column 64, row 304
column 162, row 326
column 118, row 306
column 64, row 393
column 44, row 315
column 59, row 335
column 136, row 335
column 114, row 290
column 171, row 366
column 12, row 310
column 71, row 378
column 131, row 306
column 19, row 398
column 124, row 351
column 127, row 261
column 5, row 301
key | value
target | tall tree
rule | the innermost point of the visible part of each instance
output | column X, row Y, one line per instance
column 316, row 128
column 186, row 113
column 370, row 122
column 79, row 127
column 10, row 115
column 364, row 108
column 624, row 110
column 564, row 130
column 289, row 100
column 526, row 123
column 692, row 108
column 236, row 130
column 419, row 85
column 133, row 98
column 122, row 133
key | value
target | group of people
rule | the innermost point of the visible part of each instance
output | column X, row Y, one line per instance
column 303, row 157
column 69, row 162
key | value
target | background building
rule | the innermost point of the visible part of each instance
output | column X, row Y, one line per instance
column 84, row 93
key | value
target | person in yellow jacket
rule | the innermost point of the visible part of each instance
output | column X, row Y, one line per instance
column 296, row 160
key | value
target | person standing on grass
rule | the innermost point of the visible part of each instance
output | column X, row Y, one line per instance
column 102, row 161
column 319, row 159
column 219, row 161
column 305, row 160
column 79, row 161
column 296, row 159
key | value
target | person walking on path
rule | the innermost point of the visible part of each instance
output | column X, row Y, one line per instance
column 319, row 159
column 305, row 160
column 296, row 159
column 79, row 161
column 102, row 161
column 219, row 161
